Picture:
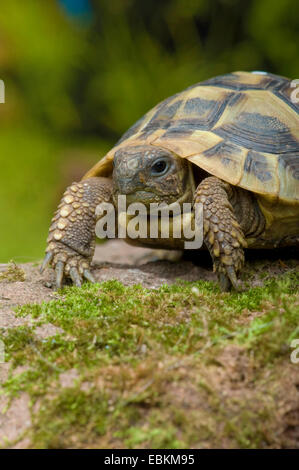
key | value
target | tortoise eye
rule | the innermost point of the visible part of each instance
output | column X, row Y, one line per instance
column 160, row 167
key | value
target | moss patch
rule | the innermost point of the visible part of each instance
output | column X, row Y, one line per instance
column 12, row 273
column 180, row 366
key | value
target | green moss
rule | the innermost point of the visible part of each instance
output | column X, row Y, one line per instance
column 163, row 437
column 248, row 428
column 77, row 413
column 131, row 348
column 12, row 273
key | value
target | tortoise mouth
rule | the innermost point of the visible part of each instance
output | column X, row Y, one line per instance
column 149, row 197
column 145, row 197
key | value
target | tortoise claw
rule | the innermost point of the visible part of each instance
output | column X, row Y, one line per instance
column 224, row 282
column 229, row 280
column 47, row 259
column 75, row 276
column 88, row 276
column 232, row 277
column 67, row 263
column 59, row 273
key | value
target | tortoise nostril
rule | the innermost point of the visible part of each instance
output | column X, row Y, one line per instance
column 127, row 184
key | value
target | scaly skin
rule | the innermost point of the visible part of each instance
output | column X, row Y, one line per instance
column 230, row 213
column 71, row 240
column 223, row 235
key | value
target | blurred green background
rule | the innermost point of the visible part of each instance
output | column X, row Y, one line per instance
column 78, row 73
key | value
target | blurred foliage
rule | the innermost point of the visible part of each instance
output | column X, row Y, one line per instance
column 77, row 79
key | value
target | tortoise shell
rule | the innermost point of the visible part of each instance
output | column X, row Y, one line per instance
column 241, row 127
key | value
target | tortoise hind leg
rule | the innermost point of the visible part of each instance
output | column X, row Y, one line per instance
column 223, row 235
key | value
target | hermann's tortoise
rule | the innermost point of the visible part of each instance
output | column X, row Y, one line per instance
column 230, row 143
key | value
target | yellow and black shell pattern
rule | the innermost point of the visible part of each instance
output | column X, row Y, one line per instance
column 242, row 127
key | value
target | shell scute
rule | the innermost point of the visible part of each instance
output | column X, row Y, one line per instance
column 257, row 164
column 242, row 81
column 241, row 127
column 260, row 132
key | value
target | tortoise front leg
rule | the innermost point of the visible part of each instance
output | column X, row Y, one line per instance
column 223, row 235
column 71, row 240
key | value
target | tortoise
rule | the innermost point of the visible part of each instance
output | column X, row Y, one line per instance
column 230, row 143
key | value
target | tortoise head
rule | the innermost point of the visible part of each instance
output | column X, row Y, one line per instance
column 152, row 174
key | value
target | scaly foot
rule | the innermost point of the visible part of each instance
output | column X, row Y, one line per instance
column 71, row 240
column 223, row 235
